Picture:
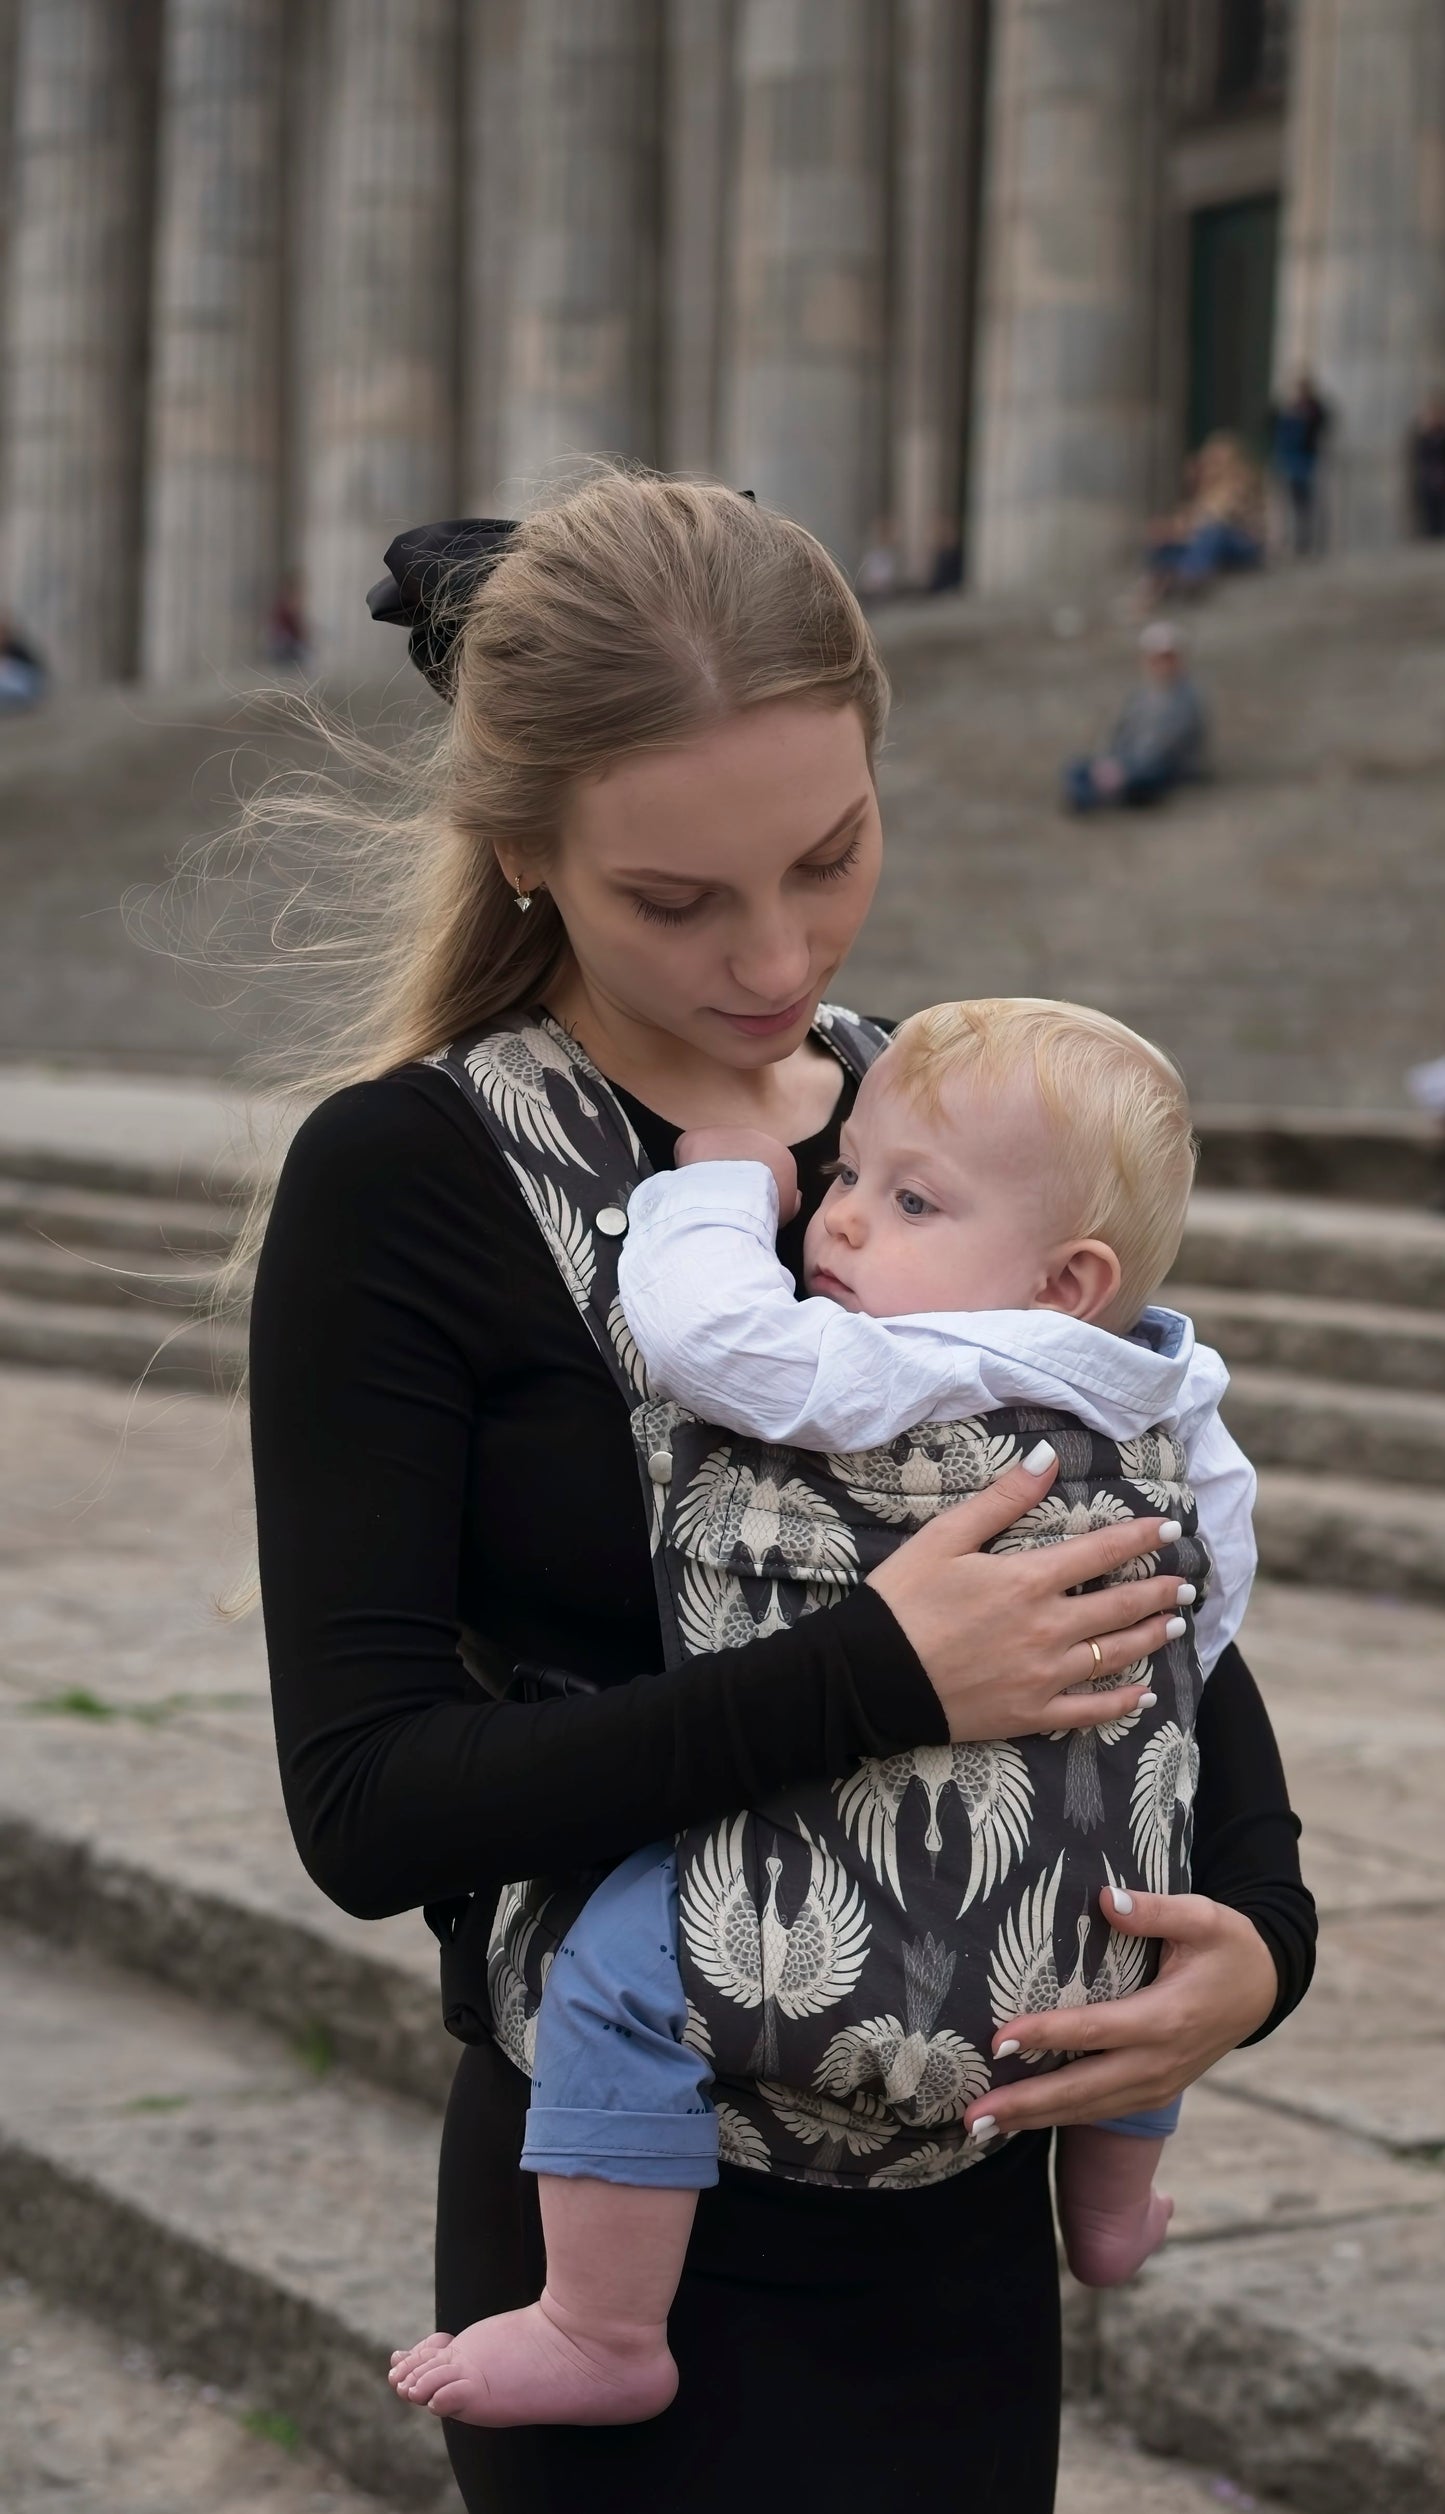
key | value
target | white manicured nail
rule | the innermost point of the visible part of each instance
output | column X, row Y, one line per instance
column 1147, row 1701
column 1122, row 1902
column 1169, row 1531
column 1175, row 1629
column 984, row 2128
column 1186, row 1593
column 1043, row 1456
column 1006, row 2051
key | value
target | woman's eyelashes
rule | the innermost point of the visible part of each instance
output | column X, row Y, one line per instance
column 661, row 912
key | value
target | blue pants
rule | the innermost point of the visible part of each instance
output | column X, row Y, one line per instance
column 617, row 2095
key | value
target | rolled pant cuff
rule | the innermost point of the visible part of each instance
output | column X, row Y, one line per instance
column 663, row 2151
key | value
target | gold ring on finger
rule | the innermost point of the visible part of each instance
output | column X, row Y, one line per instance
column 1098, row 1656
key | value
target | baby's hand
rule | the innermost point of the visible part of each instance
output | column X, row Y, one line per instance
column 744, row 1143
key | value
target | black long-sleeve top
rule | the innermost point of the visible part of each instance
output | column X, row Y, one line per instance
column 440, row 1454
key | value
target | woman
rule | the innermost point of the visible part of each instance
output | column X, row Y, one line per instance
column 655, row 814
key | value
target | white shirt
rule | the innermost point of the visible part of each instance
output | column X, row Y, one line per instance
column 720, row 1329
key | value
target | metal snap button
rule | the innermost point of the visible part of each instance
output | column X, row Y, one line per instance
column 612, row 1222
column 659, row 1466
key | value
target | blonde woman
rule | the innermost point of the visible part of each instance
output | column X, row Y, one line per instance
column 652, row 830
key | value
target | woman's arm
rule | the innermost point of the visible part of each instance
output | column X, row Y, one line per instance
column 386, row 1312
column 1246, row 1834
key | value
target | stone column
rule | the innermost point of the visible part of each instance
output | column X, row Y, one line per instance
column 582, row 373
column 74, row 348
column 1064, row 404
column 213, row 553
column 383, row 425
column 937, row 126
column 491, row 174
column 1362, row 279
column 805, row 386
column 697, row 124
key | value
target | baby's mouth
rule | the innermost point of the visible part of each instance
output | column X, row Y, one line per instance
column 828, row 1286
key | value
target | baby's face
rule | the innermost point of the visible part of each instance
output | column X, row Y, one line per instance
column 933, row 1212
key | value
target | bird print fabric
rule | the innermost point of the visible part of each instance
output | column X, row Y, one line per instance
column 849, row 1949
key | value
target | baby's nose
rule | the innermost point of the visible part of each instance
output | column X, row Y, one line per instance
column 845, row 1218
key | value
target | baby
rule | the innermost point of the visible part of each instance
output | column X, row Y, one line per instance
column 1011, row 1191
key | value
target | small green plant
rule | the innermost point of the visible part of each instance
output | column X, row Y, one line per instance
column 315, row 2049
column 76, row 1703
column 273, row 2427
column 156, row 2103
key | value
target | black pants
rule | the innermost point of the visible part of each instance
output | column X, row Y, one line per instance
column 844, row 2349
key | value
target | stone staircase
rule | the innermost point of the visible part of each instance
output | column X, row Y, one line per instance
column 1330, row 1314
column 1331, row 1317
column 109, row 1265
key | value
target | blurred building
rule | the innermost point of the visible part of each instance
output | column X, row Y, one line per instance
column 281, row 275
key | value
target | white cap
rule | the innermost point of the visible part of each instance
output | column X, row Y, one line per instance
column 1161, row 637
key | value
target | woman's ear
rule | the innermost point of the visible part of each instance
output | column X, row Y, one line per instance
column 1083, row 1281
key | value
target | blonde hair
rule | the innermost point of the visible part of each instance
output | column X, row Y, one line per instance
column 1116, row 1106
column 626, row 615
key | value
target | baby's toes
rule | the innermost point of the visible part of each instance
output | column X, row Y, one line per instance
column 429, row 2379
column 452, row 2398
column 404, row 2360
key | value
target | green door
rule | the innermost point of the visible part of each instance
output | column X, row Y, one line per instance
column 1231, row 318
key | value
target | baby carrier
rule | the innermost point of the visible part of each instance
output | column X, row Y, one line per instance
column 849, row 1949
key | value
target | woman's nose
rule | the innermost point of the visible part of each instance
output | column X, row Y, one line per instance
column 772, row 964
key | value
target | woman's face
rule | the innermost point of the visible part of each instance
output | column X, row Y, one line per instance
column 712, row 891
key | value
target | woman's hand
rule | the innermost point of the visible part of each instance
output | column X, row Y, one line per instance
column 1001, row 1640
column 1216, row 1983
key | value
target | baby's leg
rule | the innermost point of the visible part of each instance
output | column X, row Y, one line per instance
column 1112, row 2216
column 621, row 2137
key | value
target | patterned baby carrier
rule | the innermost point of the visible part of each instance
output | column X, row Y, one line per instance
column 848, row 1949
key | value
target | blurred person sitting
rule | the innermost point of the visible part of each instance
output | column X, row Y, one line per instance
column 1427, row 468
column 1160, row 737
column 879, row 573
column 1220, row 526
column 22, row 673
column 946, row 574
column 286, row 640
column 1298, row 427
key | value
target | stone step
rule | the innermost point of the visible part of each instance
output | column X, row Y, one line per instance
column 117, row 1343
column 1328, row 1427
column 34, row 1269
column 1333, row 1340
column 84, row 1217
column 187, row 2178
column 1328, row 1251
column 1337, row 1532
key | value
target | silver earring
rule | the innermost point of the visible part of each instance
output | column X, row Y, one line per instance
column 524, row 898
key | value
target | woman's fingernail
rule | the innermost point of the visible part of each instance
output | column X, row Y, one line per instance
column 983, row 2129
column 1175, row 1629
column 1122, row 1902
column 1169, row 1531
column 1006, row 2051
column 1043, row 1456
column 1147, row 1701
column 1186, row 1593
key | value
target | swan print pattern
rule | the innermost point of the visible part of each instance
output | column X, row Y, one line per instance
column 849, row 1949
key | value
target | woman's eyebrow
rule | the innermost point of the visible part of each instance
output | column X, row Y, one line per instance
column 706, row 881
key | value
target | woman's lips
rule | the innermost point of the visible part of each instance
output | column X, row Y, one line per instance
column 766, row 1025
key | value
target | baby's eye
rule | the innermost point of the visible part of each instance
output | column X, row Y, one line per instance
column 842, row 1174
column 911, row 1203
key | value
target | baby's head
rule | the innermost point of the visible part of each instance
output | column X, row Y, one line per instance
column 1008, row 1154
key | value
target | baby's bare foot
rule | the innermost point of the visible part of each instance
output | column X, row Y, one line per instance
column 1107, row 2245
column 537, row 2368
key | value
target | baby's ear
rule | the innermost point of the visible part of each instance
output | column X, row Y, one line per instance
column 1083, row 1281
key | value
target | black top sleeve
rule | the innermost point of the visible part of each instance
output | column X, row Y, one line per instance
column 437, row 1448
column 1246, row 1835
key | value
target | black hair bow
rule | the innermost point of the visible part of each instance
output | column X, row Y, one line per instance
column 432, row 572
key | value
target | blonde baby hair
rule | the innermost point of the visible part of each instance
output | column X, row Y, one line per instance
column 1116, row 1104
